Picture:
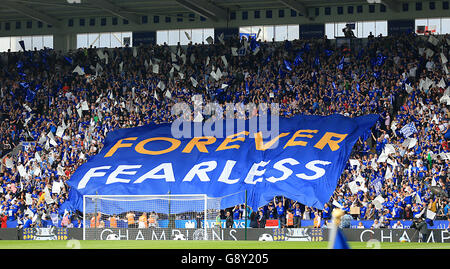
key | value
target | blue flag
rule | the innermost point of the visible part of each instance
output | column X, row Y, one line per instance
column 298, row 59
column 340, row 242
column 301, row 159
column 30, row 95
column 253, row 44
column 341, row 63
column 287, row 65
column 68, row 59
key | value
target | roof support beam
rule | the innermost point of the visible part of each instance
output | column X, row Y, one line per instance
column 205, row 9
column 297, row 6
column 115, row 10
column 32, row 13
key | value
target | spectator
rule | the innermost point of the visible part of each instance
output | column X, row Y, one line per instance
column 376, row 224
column 253, row 219
column 346, row 220
column 3, row 220
column 297, row 215
column 261, row 219
column 281, row 212
column 229, row 220
column 397, row 225
column 360, row 225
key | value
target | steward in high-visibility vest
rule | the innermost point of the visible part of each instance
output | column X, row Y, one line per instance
column 113, row 222
column 130, row 219
column 317, row 220
column 143, row 221
column 289, row 219
column 152, row 220
column 218, row 221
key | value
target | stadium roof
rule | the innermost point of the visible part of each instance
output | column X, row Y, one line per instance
column 52, row 11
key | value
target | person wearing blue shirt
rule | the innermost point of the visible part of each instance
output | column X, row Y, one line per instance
column 281, row 212
column 326, row 212
column 389, row 204
column 236, row 213
column 362, row 212
column 421, row 171
column 297, row 215
column 27, row 222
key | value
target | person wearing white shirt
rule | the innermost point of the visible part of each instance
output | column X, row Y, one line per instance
column 397, row 225
column 360, row 226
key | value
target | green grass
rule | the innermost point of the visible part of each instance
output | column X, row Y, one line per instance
column 150, row 244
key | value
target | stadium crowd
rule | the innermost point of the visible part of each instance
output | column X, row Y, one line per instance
column 64, row 104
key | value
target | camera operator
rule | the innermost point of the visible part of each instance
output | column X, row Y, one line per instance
column 422, row 227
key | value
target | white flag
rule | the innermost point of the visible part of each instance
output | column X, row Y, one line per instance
column 177, row 67
column 28, row 199
column 234, row 51
column 221, row 38
column 78, row 70
column 409, row 89
column 47, row 197
column 156, row 68
column 37, row 157
column 161, row 85
column 194, row 82
column 60, row 131
column 443, row 58
column 22, row 171
column 433, row 40
column 442, row 83
column 219, row 73
column 224, row 60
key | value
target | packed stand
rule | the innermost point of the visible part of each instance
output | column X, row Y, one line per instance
column 67, row 103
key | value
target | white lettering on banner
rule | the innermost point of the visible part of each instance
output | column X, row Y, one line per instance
column 255, row 174
column 90, row 174
column 431, row 238
column 121, row 170
column 152, row 174
column 201, row 172
column 312, row 166
column 139, row 236
column 363, row 232
column 386, row 237
column 225, row 175
column 232, row 234
column 286, row 171
column 442, row 236
column 155, row 236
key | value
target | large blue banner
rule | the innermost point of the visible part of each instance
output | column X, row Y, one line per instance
column 302, row 161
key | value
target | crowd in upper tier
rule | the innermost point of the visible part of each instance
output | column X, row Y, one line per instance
column 66, row 103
